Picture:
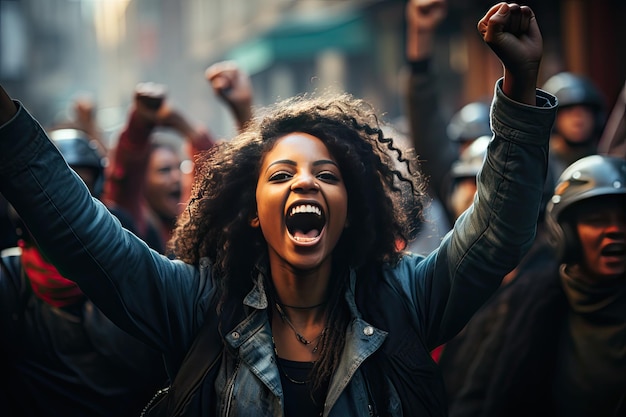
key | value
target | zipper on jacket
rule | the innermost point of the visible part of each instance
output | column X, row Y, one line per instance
column 371, row 407
column 160, row 393
column 231, row 390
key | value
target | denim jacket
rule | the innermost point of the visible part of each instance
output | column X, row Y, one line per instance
column 163, row 302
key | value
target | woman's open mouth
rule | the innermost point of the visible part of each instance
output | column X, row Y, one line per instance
column 305, row 222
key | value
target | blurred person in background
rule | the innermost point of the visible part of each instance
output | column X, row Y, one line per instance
column 552, row 342
column 145, row 177
column 580, row 119
column 59, row 355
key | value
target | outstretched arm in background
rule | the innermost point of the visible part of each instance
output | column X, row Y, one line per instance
column 232, row 85
column 426, row 122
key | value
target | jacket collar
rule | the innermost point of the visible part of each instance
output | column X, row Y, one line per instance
column 257, row 297
column 362, row 339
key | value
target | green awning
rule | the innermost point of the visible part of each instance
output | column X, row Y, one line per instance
column 303, row 37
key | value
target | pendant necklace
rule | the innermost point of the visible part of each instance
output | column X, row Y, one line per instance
column 299, row 336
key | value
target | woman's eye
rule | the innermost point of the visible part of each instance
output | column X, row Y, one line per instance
column 328, row 176
column 280, row 176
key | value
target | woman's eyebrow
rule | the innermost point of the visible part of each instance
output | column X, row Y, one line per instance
column 281, row 161
column 293, row 163
column 324, row 162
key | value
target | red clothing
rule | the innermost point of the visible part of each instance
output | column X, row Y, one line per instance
column 127, row 174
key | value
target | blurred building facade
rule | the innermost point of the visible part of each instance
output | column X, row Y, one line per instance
column 52, row 50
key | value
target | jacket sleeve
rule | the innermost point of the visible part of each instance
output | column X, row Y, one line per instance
column 160, row 301
column 489, row 238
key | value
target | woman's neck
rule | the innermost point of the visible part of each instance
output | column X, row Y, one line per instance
column 301, row 294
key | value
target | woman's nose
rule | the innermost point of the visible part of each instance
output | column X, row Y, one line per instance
column 305, row 183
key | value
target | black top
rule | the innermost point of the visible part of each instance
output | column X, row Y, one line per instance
column 295, row 379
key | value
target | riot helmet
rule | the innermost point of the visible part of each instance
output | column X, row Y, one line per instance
column 573, row 90
column 589, row 177
column 80, row 151
column 469, row 123
column 471, row 159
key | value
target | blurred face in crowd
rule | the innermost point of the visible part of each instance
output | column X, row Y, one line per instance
column 88, row 175
column 575, row 123
column 601, row 227
column 164, row 182
column 462, row 195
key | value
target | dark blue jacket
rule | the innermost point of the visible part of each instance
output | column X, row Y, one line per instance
column 164, row 302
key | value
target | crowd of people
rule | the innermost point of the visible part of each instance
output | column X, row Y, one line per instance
column 289, row 253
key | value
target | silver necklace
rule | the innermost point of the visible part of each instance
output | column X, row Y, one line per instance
column 280, row 367
column 299, row 336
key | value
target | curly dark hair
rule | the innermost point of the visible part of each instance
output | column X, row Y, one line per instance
column 216, row 223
